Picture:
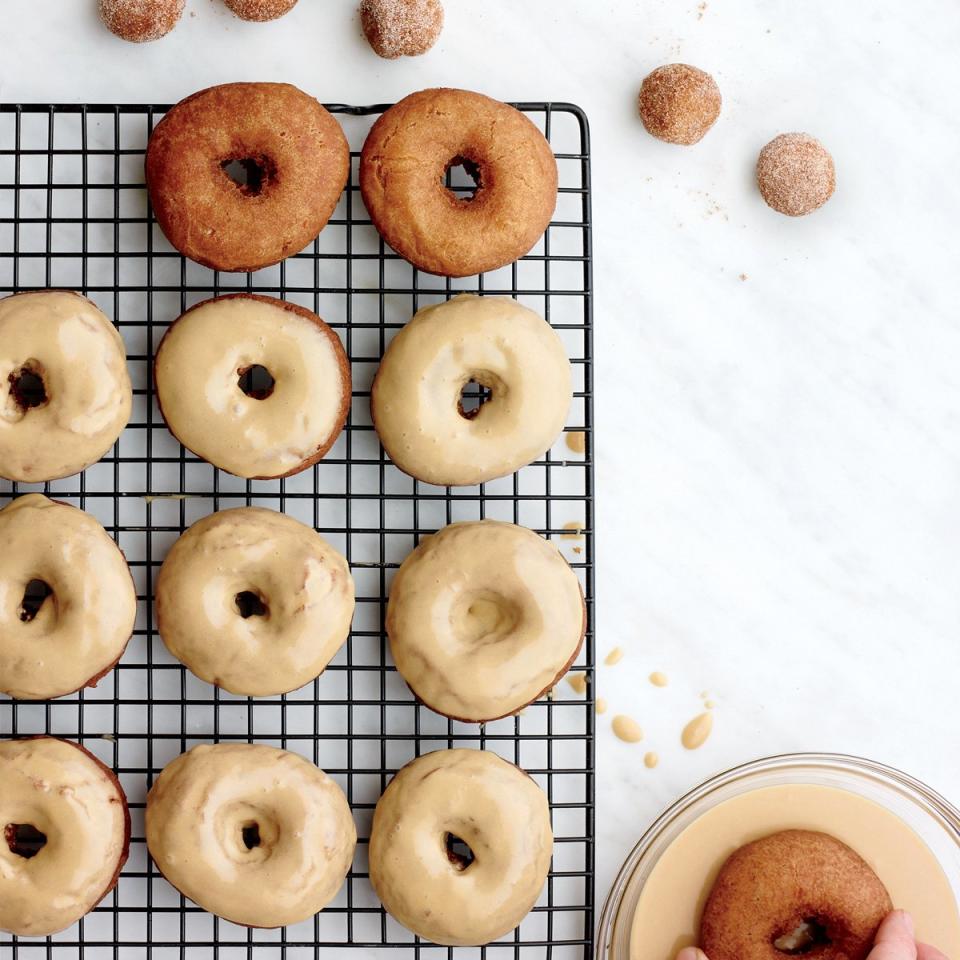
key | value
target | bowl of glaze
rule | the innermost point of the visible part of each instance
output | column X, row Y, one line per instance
column 905, row 830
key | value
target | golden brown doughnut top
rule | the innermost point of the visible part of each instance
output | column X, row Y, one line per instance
column 63, row 340
column 402, row 168
column 76, row 803
column 487, row 340
column 483, row 618
column 82, row 627
column 256, row 835
column 491, row 805
column 199, row 368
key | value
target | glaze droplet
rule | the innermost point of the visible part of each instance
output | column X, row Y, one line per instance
column 659, row 679
column 627, row 729
column 614, row 656
column 651, row 760
column 696, row 732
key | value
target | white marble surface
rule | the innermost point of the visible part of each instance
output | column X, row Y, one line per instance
column 778, row 456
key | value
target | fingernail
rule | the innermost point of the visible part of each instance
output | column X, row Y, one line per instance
column 691, row 953
column 904, row 920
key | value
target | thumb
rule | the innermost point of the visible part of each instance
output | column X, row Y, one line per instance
column 691, row 953
column 895, row 938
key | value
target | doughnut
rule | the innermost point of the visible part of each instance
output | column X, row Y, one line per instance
column 406, row 157
column 67, row 600
column 401, row 28
column 795, row 174
column 66, row 834
column 140, row 20
column 416, row 400
column 256, row 835
column 214, row 404
column 65, row 393
column 294, row 160
column 470, row 892
column 679, row 103
column 260, row 10
column 795, row 891
column 254, row 601
column 483, row 618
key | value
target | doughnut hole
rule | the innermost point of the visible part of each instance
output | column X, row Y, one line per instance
column 251, row 604
column 248, row 833
column 480, row 387
column 463, row 178
column 24, row 839
column 251, row 175
column 255, row 381
column 483, row 616
column 27, row 386
column 34, row 596
column 806, row 937
column 459, row 852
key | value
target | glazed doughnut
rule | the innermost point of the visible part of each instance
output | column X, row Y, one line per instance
column 65, row 393
column 256, row 835
column 67, row 600
column 254, row 601
column 792, row 891
column 483, row 618
column 416, row 404
column 259, row 432
column 140, row 21
column 260, row 10
column 66, row 834
column 451, row 897
column 296, row 161
column 402, row 167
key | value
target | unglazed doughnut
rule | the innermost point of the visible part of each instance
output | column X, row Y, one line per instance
column 67, row 600
column 260, row 10
column 425, row 882
column 254, row 601
column 295, row 156
column 793, row 891
column 679, row 103
column 200, row 368
column 405, row 159
column 795, row 174
column 416, row 398
column 140, row 21
column 65, row 393
column 483, row 618
column 401, row 28
column 256, row 835
column 66, row 833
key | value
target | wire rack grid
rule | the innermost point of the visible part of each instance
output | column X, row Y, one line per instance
column 74, row 214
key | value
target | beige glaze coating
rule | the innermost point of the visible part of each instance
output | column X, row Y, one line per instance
column 203, row 802
column 668, row 912
column 198, row 368
column 483, row 618
column 303, row 586
column 487, row 340
column 63, row 339
column 65, row 793
column 491, row 805
column 81, row 628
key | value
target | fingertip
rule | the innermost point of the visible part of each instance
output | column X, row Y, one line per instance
column 897, row 926
column 926, row 952
column 691, row 953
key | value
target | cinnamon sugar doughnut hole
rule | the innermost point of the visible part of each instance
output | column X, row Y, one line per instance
column 140, row 21
column 260, row 10
column 401, row 28
column 679, row 103
column 795, row 174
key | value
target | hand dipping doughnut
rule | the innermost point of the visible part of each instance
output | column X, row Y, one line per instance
column 483, row 618
column 416, row 400
column 254, row 601
column 65, row 393
column 289, row 156
column 65, row 834
column 470, row 892
column 791, row 892
column 67, row 600
column 406, row 157
column 254, row 385
column 256, row 835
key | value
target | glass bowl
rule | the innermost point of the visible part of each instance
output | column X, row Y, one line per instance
column 933, row 818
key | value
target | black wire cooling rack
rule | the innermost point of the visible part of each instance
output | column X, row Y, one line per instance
column 74, row 214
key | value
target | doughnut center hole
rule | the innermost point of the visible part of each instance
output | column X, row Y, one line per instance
column 805, row 938
column 255, row 381
column 250, row 604
column 249, row 174
column 462, row 177
column 24, row 839
column 473, row 395
column 34, row 596
column 27, row 388
column 483, row 617
column 250, row 832
column 458, row 851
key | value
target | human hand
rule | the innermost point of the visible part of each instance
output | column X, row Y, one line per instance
column 895, row 941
